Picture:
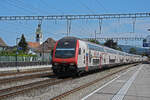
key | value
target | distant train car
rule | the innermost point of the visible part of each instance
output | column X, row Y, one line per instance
column 73, row 56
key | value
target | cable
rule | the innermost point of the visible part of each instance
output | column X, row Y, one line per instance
column 20, row 7
column 100, row 5
column 46, row 5
column 82, row 4
column 20, row 2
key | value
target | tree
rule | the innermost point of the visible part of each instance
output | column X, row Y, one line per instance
column 23, row 44
column 132, row 50
column 94, row 41
column 112, row 44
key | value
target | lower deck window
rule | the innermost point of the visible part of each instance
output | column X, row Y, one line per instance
column 95, row 61
column 65, row 52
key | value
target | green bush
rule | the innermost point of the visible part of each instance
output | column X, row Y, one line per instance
column 13, row 53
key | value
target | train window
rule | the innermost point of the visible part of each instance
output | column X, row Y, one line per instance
column 96, row 61
column 65, row 52
column 79, row 51
column 104, row 60
column 84, row 51
column 111, row 51
column 90, row 56
column 94, row 47
column 84, row 59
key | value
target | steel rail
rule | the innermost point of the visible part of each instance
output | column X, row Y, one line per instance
column 28, row 87
column 12, row 79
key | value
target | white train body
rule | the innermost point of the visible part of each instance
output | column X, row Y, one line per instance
column 86, row 56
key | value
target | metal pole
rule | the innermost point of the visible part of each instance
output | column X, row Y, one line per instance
column 67, row 27
column 17, row 54
column 43, row 54
column 95, row 35
column 100, row 26
column 134, row 24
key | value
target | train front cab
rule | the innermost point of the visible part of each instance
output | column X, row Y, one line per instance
column 65, row 56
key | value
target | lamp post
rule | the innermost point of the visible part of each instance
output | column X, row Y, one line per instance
column 17, row 39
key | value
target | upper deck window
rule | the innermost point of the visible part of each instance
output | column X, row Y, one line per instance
column 94, row 47
column 65, row 52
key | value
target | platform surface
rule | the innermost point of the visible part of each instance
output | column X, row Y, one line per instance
column 131, row 85
column 10, row 69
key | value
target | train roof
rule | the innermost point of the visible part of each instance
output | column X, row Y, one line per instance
column 70, row 38
column 106, row 48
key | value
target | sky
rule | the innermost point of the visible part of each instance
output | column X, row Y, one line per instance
column 10, row 30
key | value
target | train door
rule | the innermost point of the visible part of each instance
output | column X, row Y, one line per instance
column 80, row 58
column 81, row 55
column 87, row 61
column 100, row 61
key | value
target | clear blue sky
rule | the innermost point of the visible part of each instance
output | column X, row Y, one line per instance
column 10, row 30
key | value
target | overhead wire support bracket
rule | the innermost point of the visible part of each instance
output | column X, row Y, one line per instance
column 116, row 38
column 100, row 25
column 68, row 26
column 134, row 20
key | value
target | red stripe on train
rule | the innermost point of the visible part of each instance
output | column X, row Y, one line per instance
column 54, row 50
column 77, row 52
column 86, row 68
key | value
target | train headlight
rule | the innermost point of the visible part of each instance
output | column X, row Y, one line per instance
column 55, row 63
column 71, row 64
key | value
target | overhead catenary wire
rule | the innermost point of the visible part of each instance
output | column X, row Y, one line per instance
column 101, row 5
column 46, row 5
column 38, row 10
column 85, row 6
column 20, row 7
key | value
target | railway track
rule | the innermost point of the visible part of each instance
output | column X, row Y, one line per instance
column 13, row 91
column 16, row 90
column 65, row 94
column 25, row 77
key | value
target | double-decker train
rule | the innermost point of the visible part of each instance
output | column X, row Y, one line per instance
column 73, row 56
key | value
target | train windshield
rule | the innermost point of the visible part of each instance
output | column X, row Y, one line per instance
column 65, row 52
column 66, row 48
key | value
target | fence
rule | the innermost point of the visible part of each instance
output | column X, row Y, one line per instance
column 11, row 61
column 17, row 58
column 22, row 64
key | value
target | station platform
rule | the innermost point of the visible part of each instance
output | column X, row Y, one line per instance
column 26, row 68
column 131, row 85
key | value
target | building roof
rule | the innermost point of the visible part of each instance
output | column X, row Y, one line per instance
column 2, row 43
column 47, row 46
column 33, row 45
